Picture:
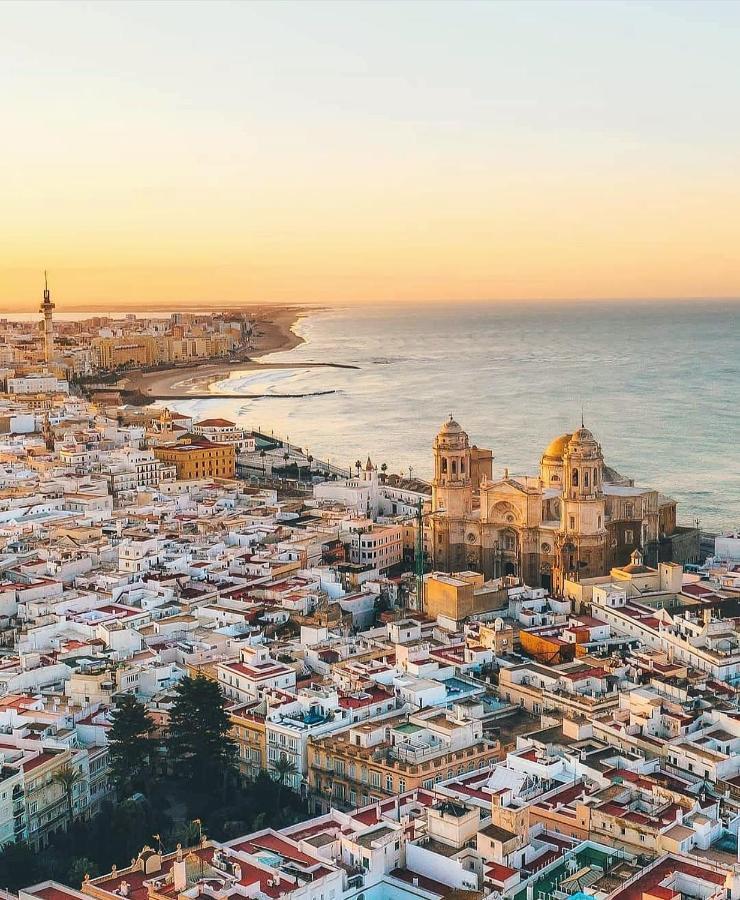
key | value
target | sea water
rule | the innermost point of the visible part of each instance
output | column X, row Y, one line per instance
column 658, row 382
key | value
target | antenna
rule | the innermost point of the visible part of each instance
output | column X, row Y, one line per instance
column 46, row 286
column 582, row 425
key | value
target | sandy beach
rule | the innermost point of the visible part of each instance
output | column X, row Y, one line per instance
column 273, row 332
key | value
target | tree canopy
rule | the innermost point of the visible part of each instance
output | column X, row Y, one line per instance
column 199, row 742
column 130, row 742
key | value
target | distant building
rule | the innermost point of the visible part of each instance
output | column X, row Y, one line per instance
column 37, row 384
column 225, row 432
column 133, row 350
column 199, row 458
column 577, row 518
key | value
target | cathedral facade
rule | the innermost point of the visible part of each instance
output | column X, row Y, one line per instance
column 576, row 519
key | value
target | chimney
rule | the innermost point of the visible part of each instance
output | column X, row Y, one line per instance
column 179, row 874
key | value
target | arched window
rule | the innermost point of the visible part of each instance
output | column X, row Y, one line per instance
column 444, row 465
column 462, row 466
column 454, row 467
column 596, row 477
column 585, row 478
column 575, row 478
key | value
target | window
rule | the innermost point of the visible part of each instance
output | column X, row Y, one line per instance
column 574, row 478
column 585, row 478
column 572, row 523
column 389, row 782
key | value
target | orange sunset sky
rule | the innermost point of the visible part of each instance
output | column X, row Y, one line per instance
column 165, row 153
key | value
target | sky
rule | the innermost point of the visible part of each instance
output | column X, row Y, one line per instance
column 205, row 153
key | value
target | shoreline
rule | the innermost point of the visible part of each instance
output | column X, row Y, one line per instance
column 273, row 333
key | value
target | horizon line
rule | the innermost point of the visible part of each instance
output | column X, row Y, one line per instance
column 159, row 305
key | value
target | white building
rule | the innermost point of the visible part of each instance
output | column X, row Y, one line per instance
column 222, row 431
column 37, row 384
column 367, row 496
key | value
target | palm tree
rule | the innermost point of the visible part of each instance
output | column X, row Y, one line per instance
column 67, row 776
column 358, row 466
column 384, row 469
column 282, row 768
column 262, row 457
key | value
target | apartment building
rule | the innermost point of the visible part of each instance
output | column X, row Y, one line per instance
column 379, row 759
column 248, row 730
column 199, row 458
column 579, row 688
column 380, row 546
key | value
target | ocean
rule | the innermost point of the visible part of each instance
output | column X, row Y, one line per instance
column 658, row 382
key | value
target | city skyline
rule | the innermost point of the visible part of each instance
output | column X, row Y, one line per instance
column 387, row 153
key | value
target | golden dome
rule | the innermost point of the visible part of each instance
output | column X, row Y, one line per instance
column 556, row 448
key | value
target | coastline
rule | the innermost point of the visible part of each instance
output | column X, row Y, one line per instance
column 273, row 332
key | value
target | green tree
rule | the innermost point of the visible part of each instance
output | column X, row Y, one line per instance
column 20, row 866
column 282, row 769
column 199, row 742
column 80, row 867
column 130, row 741
column 67, row 776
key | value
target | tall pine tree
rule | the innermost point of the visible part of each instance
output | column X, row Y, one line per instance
column 199, row 742
column 130, row 742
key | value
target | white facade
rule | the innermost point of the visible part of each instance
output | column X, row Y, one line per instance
column 37, row 384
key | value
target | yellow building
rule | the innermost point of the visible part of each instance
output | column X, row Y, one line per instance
column 134, row 350
column 461, row 594
column 381, row 759
column 498, row 635
column 250, row 734
column 200, row 458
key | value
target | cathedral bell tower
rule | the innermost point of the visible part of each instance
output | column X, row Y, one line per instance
column 452, row 499
column 582, row 538
column 452, row 487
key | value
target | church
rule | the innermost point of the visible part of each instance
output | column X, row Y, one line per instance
column 576, row 519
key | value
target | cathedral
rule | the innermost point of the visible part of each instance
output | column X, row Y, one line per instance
column 577, row 519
